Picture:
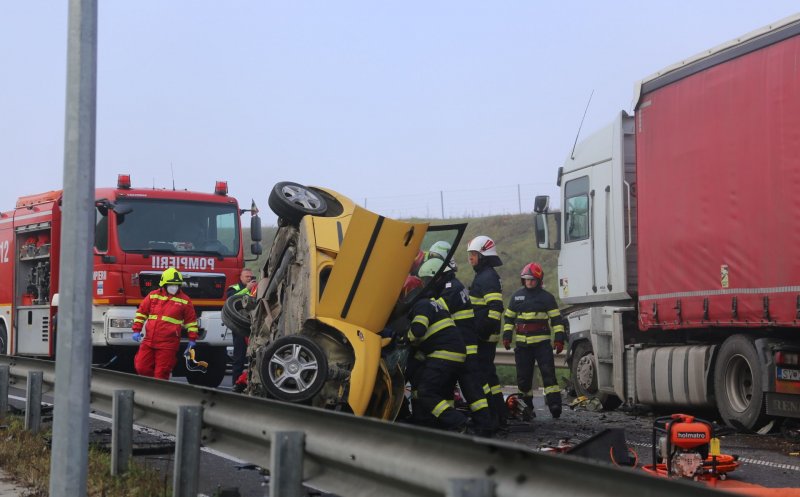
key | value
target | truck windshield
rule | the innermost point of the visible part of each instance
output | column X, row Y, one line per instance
column 155, row 225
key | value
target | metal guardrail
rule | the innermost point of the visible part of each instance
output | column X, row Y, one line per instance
column 355, row 457
column 506, row 358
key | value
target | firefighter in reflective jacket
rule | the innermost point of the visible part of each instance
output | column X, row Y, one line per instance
column 158, row 323
column 439, row 345
column 486, row 295
column 533, row 315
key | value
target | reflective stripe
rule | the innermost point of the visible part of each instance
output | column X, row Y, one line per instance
column 158, row 297
column 172, row 320
column 552, row 389
column 437, row 326
column 178, row 299
column 494, row 315
column 193, row 323
column 140, row 315
column 530, row 316
column 465, row 314
column 491, row 297
column 138, row 320
column 508, row 327
column 442, row 303
column 448, row 356
column 440, row 408
column 423, row 320
column 472, row 349
column 532, row 339
column 152, row 316
column 478, row 405
column 493, row 338
column 451, row 403
column 554, row 313
column 476, row 300
column 496, row 389
column 558, row 328
column 510, row 314
column 486, row 389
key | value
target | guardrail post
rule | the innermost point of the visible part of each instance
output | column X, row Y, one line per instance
column 5, row 374
column 121, row 431
column 187, row 451
column 286, row 471
column 470, row 487
column 33, row 402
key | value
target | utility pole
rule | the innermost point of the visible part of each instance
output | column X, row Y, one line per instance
column 70, row 452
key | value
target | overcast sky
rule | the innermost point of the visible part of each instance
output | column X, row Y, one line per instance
column 397, row 104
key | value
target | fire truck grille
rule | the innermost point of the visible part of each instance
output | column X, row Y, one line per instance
column 195, row 286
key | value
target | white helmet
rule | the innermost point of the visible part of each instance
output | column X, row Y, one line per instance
column 483, row 245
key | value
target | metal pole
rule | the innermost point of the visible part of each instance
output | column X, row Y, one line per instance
column 33, row 402
column 441, row 199
column 286, row 473
column 187, row 451
column 4, row 376
column 121, row 431
column 69, row 459
column 519, row 198
column 470, row 487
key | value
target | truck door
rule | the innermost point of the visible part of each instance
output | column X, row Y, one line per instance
column 584, row 264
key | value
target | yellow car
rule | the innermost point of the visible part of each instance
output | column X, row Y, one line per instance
column 328, row 290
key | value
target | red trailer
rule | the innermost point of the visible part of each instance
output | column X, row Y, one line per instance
column 678, row 231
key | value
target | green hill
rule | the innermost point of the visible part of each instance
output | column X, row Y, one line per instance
column 513, row 235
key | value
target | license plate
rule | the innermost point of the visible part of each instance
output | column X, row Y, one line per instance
column 789, row 374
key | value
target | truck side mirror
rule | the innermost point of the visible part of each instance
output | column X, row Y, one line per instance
column 255, row 228
column 540, row 228
column 541, row 204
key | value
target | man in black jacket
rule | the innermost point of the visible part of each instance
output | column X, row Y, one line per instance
column 533, row 315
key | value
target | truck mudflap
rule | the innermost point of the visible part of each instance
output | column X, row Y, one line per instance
column 784, row 405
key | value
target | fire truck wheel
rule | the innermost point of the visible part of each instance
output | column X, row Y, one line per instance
column 217, row 358
column 235, row 317
column 737, row 385
column 584, row 376
column 294, row 368
column 3, row 338
column 291, row 201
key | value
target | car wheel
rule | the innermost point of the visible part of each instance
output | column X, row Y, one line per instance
column 294, row 368
column 217, row 359
column 235, row 317
column 737, row 388
column 584, row 376
column 291, row 201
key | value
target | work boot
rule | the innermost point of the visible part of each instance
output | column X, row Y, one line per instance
column 555, row 410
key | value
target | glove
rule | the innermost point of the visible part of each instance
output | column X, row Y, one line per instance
column 558, row 346
column 189, row 347
column 507, row 343
column 401, row 338
column 137, row 336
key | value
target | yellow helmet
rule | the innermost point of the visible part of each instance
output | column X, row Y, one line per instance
column 171, row 276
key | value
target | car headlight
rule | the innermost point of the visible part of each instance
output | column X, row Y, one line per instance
column 120, row 323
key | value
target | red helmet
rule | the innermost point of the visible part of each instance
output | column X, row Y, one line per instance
column 532, row 271
column 412, row 283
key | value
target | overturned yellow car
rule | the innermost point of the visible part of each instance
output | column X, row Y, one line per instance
column 330, row 286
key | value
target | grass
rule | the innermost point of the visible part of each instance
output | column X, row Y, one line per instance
column 25, row 457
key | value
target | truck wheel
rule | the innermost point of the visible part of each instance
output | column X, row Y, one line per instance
column 235, row 317
column 294, row 368
column 217, row 359
column 291, row 201
column 737, row 385
column 584, row 377
column 3, row 339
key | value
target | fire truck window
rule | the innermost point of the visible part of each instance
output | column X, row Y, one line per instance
column 101, row 230
column 576, row 208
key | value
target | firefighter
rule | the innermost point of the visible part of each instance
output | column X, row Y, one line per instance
column 486, row 295
column 441, row 348
column 158, row 323
column 533, row 315
column 457, row 302
column 245, row 285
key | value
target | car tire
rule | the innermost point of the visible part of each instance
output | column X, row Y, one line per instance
column 294, row 368
column 737, row 385
column 292, row 201
column 217, row 359
column 235, row 317
column 584, row 376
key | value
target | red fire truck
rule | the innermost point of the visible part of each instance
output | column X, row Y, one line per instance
column 138, row 233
